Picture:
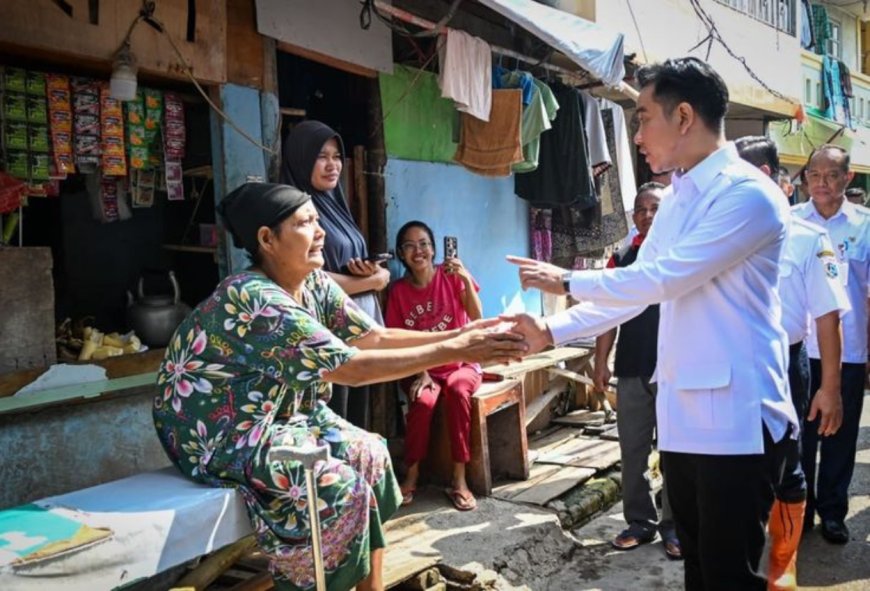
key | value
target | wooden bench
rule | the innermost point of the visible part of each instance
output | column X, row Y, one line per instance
column 499, row 446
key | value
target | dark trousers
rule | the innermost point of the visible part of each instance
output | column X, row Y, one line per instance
column 721, row 505
column 793, row 487
column 828, row 491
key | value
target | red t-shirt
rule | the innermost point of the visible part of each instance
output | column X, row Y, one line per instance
column 434, row 308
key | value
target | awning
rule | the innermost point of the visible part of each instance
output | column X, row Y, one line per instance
column 596, row 50
column 795, row 144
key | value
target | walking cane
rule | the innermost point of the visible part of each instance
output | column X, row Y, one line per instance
column 308, row 455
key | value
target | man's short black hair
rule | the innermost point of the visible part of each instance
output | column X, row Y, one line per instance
column 843, row 151
column 759, row 150
column 688, row 80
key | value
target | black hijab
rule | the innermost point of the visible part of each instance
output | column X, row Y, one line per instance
column 301, row 148
column 254, row 205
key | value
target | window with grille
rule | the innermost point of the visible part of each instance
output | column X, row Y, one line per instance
column 779, row 14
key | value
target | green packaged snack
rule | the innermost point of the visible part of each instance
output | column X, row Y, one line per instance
column 37, row 110
column 18, row 164
column 39, row 167
column 14, row 107
column 39, row 138
column 15, row 135
column 36, row 83
column 14, row 79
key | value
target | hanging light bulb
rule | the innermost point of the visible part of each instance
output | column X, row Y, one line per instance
column 122, row 85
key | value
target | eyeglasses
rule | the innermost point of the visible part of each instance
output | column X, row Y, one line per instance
column 830, row 176
column 411, row 246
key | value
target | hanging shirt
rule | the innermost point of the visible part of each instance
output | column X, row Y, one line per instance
column 535, row 120
column 849, row 230
column 623, row 147
column 712, row 259
column 564, row 174
column 466, row 73
column 809, row 283
column 595, row 135
column 434, row 308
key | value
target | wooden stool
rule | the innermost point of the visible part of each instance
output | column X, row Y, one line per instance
column 499, row 446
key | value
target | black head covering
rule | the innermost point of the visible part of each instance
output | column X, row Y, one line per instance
column 301, row 148
column 254, row 205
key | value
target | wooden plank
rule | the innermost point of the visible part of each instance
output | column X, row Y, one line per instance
column 558, row 483
column 400, row 564
column 361, row 211
column 245, row 58
column 41, row 30
column 541, row 360
column 327, row 60
column 554, row 439
column 116, row 367
column 42, row 398
column 581, row 418
column 537, row 473
column 260, row 582
column 587, row 452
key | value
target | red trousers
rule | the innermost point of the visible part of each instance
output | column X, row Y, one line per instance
column 457, row 388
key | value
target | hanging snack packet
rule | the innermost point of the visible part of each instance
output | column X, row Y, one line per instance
column 86, row 123
column 112, row 132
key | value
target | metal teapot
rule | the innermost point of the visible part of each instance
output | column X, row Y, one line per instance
column 155, row 317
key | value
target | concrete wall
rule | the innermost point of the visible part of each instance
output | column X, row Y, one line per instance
column 488, row 219
column 74, row 446
column 669, row 28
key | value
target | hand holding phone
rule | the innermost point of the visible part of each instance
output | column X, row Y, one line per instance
column 451, row 249
column 381, row 257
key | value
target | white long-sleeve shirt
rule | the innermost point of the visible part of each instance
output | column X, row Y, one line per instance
column 849, row 230
column 712, row 259
column 810, row 285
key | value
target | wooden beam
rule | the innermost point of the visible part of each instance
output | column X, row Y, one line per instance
column 245, row 57
column 327, row 60
column 212, row 567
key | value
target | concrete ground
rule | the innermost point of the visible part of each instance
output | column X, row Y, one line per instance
column 510, row 546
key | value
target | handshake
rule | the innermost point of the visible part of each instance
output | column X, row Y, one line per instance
column 512, row 336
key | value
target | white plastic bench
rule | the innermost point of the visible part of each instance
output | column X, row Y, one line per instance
column 158, row 520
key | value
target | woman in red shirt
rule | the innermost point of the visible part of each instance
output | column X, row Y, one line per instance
column 435, row 298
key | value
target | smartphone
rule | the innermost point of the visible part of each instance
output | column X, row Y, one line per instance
column 451, row 249
column 380, row 257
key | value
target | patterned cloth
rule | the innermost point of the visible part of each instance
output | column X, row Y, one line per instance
column 821, row 28
column 234, row 373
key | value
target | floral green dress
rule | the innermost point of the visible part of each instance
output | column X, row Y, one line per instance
column 232, row 374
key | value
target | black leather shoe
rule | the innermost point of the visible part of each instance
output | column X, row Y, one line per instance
column 835, row 531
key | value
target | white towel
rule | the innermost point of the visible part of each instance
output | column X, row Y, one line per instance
column 466, row 73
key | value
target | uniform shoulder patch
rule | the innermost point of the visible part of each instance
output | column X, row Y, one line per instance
column 825, row 254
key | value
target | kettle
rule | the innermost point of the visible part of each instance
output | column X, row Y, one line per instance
column 154, row 318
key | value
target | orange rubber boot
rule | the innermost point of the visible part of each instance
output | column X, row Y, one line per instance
column 785, row 527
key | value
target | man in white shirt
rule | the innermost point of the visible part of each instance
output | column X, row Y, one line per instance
column 811, row 291
column 711, row 258
column 848, row 225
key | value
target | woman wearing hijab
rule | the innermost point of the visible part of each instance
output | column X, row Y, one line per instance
column 251, row 367
column 313, row 159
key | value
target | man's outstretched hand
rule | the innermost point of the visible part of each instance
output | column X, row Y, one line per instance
column 537, row 334
column 543, row 276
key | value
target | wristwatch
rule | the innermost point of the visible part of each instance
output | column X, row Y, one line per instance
column 566, row 282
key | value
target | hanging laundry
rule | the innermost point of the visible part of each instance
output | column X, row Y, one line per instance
column 808, row 39
column 490, row 148
column 599, row 157
column 836, row 104
column 577, row 233
column 465, row 65
column 624, row 162
column 564, row 174
column 537, row 106
column 821, row 28
column 541, row 232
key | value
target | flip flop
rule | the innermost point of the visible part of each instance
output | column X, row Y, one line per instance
column 631, row 538
column 463, row 501
column 407, row 496
column 672, row 547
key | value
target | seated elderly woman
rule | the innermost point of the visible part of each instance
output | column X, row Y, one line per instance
column 265, row 347
column 435, row 298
